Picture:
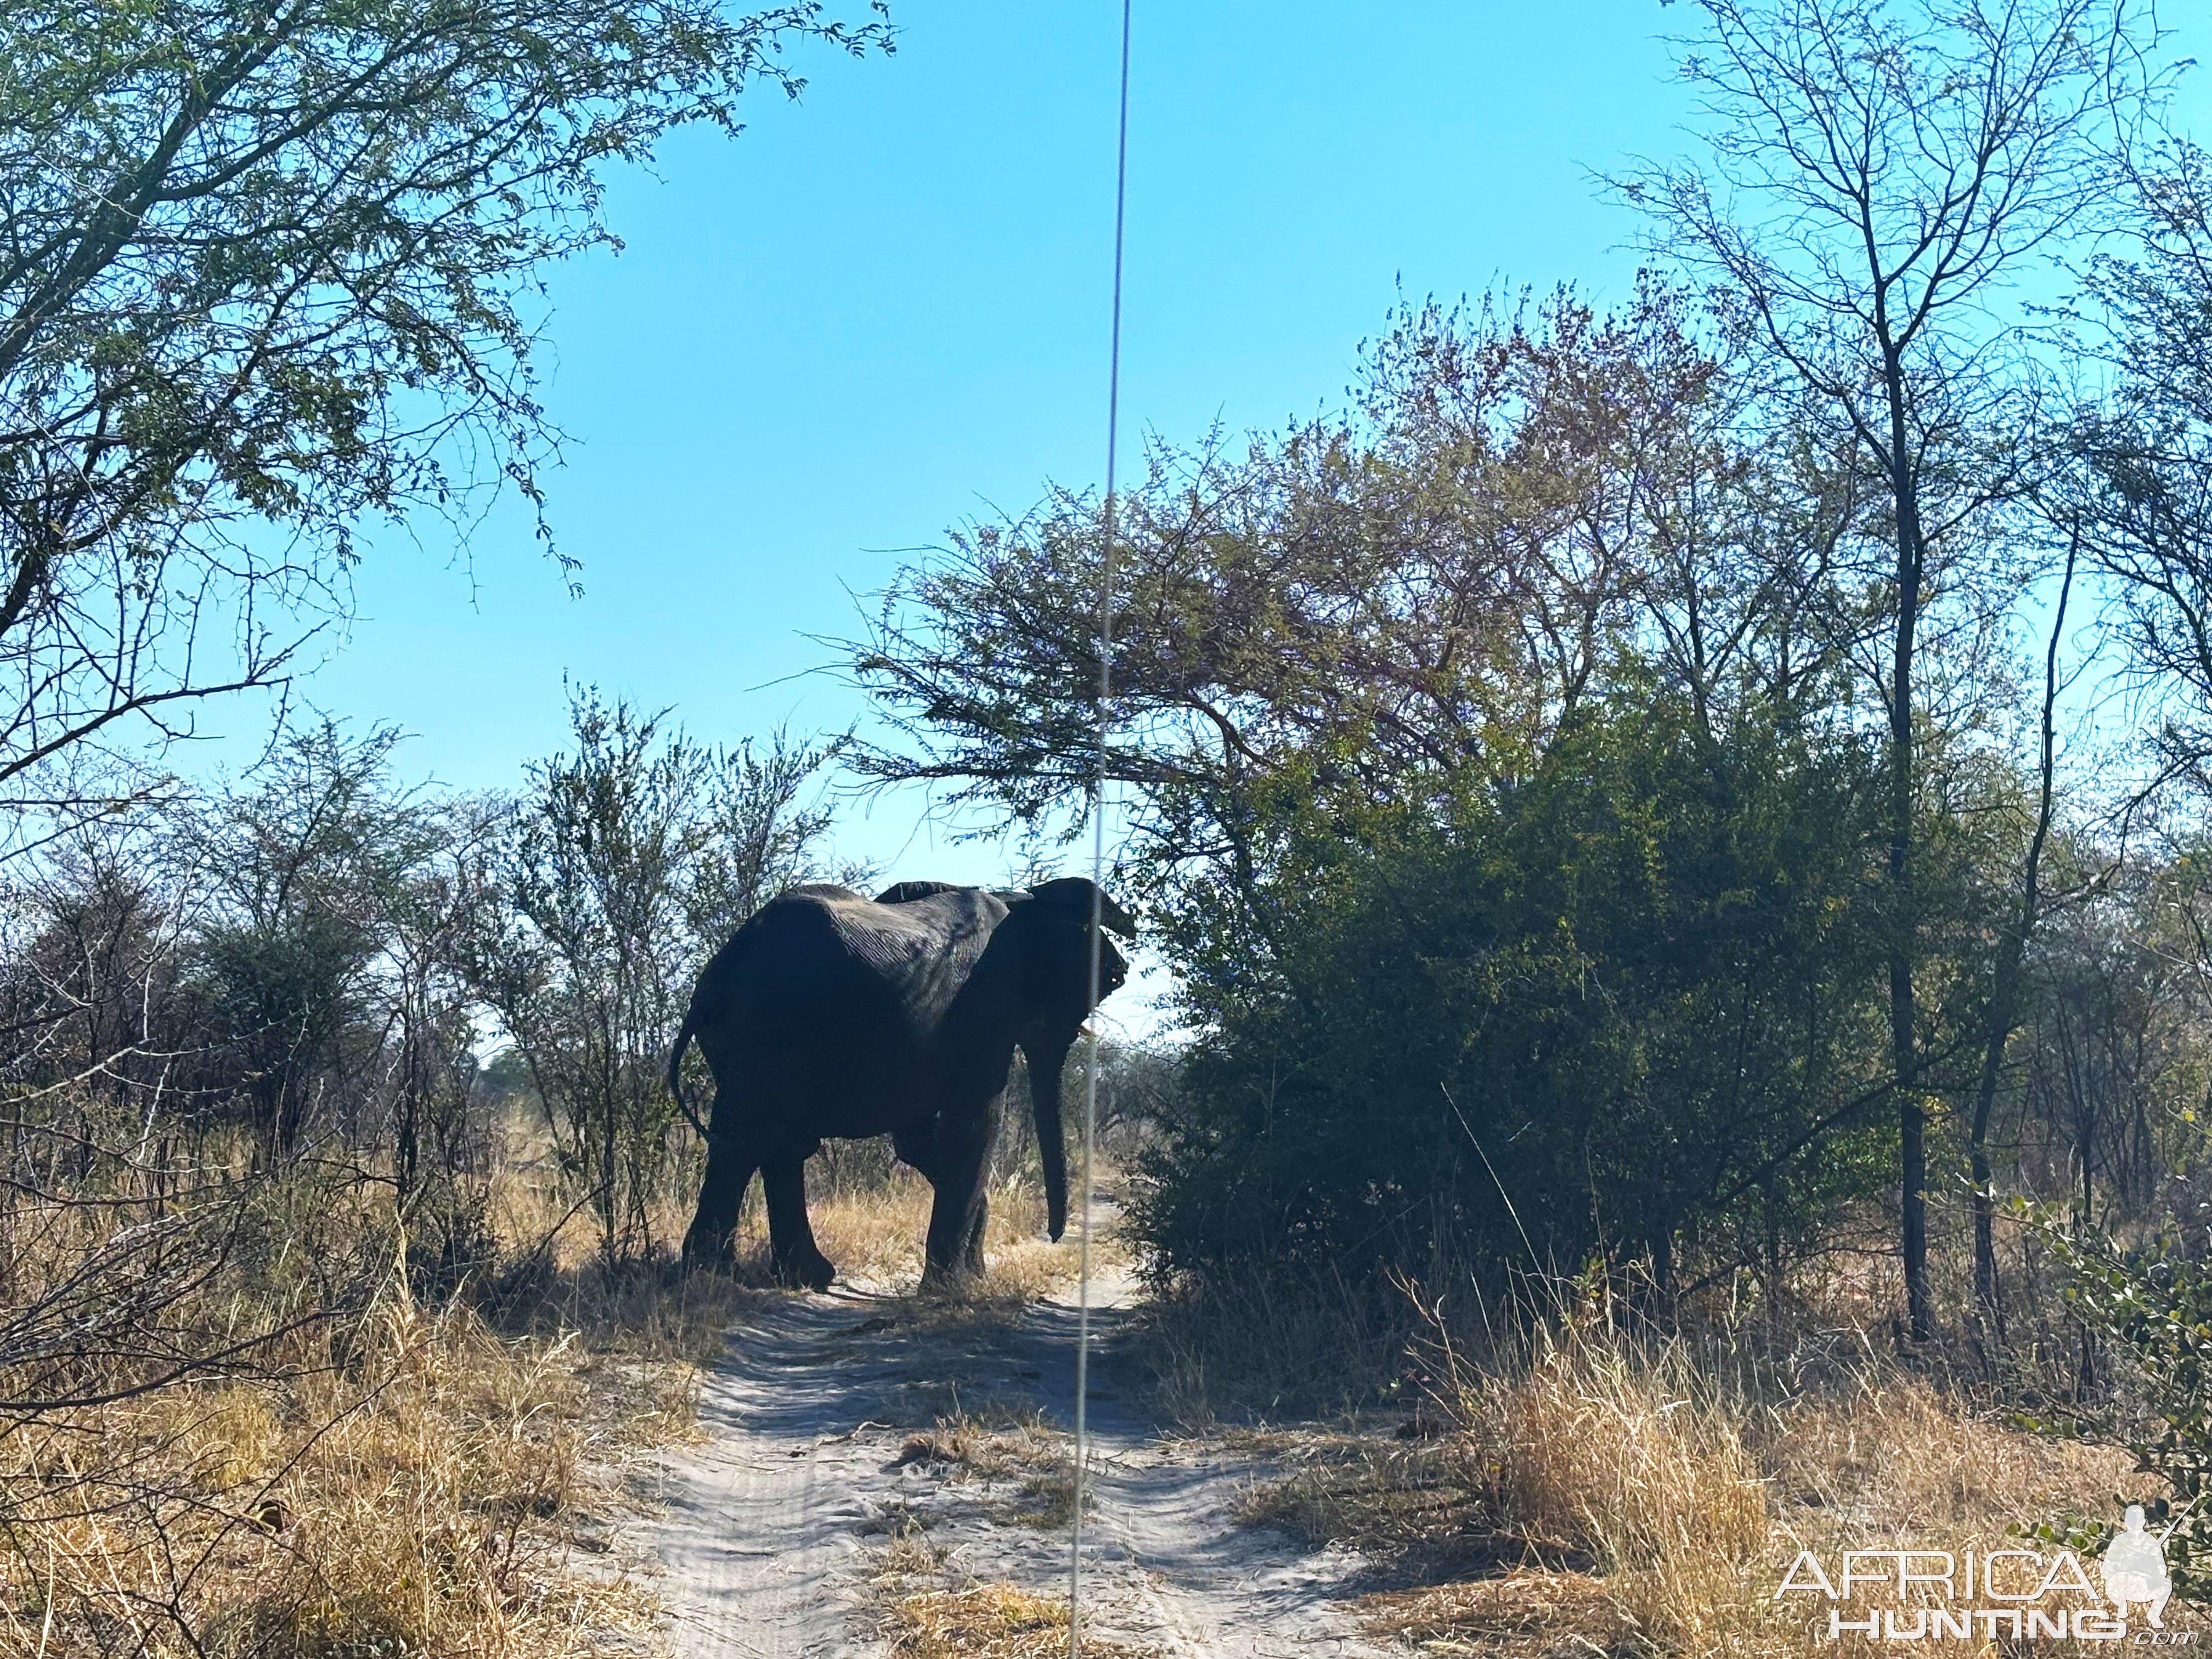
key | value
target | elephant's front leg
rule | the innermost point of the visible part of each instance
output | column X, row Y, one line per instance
column 971, row 1253
column 971, row 1249
column 917, row 1147
column 956, row 1220
column 792, row 1252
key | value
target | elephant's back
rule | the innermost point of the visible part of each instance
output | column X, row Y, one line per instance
column 824, row 965
column 819, row 924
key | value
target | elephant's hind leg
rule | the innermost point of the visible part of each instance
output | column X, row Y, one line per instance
column 792, row 1251
column 712, row 1236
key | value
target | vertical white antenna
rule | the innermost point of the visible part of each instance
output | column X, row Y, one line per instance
column 1098, row 805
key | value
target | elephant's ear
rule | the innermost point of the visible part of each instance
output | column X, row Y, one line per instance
column 1075, row 894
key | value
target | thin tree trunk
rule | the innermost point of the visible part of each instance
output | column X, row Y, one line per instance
column 2004, row 992
column 1912, row 1113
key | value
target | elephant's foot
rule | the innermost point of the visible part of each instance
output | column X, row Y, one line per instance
column 938, row 1279
column 805, row 1270
column 708, row 1247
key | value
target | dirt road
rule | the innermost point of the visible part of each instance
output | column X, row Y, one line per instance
column 775, row 1529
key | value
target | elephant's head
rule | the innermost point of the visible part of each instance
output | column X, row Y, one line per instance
column 1049, row 928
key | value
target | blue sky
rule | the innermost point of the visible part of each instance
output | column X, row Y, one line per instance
column 884, row 309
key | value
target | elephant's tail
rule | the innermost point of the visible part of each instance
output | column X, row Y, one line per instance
column 676, row 1077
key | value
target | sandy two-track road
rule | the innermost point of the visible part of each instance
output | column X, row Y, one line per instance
column 771, row 1530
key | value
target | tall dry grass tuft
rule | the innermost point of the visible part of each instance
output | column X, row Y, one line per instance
column 1594, row 1482
column 1585, row 1445
column 1690, row 1472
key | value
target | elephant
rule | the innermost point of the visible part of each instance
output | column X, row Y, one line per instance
column 832, row 1015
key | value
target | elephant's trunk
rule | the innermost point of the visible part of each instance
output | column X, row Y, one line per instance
column 1045, row 1062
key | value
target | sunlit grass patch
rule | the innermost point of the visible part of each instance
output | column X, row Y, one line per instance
column 874, row 1234
column 1519, row 1615
column 989, row 1621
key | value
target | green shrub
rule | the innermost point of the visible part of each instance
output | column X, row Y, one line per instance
column 2152, row 1306
column 1628, row 1002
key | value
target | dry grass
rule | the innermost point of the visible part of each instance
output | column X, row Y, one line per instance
column 406, row 1476
column 1017, row 1447
column 874, row 1235
column 927, row 1614
column 1517, row 1615
column 1895, row 1458
column 431, row 1462
column 1592, row 1445
column 1599, row 1492
column 1269, row 1350
column 1416, row 1503
column 988, row 1621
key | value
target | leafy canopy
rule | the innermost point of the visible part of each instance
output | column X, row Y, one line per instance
column 264, row 268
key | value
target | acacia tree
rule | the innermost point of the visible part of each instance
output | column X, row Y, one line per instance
column 297, row 872
column 262, row 271
column 1367, row 601
column 1879, row 176
column 621, row 867
column 90, row 990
